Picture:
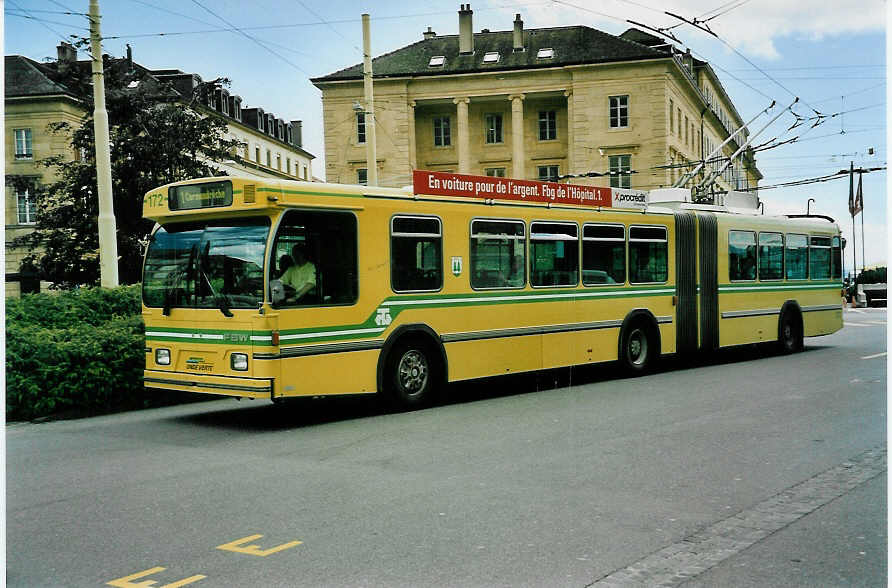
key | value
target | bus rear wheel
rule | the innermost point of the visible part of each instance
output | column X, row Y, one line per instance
column 790, row 336
column 413, row 376
column 637, row 349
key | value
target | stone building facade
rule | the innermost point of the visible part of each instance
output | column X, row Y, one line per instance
column 534, row 104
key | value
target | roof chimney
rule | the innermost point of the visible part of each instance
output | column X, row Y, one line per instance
column 518, row 33
column 66, row 53
column 465, row 30
column 429, row 33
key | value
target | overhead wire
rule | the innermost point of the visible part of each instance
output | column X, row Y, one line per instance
column 252, row 38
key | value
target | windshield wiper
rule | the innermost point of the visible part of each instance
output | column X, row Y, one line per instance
column 220, row 298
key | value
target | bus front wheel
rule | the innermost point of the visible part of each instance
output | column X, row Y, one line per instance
column 413, row 375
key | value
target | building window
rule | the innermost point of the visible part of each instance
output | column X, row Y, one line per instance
column 26, row 208
column 257, row 155
column 416, row 253
column 362, row 176
column 305, row 172
column 495, row 172
column 360, row 127
column 442, row 132
column 547, row 125
column 548, row 173
column 288, row 165
column 619, row 112
column 23, row 148
column 269, row 158
column 620, row 171
column 493, row 123
column 279, row 161
column 671, row 118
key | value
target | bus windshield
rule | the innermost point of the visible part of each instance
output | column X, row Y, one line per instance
column 210, row 264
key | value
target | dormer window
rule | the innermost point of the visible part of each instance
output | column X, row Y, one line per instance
column 491, row 57
column 546, row 53
column 437, row 61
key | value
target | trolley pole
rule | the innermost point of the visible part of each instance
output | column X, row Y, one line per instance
column 108, row 244
column 370, row 144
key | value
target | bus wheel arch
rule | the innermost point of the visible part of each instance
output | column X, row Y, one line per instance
column 790, row 329
column 639, row 342
column 412, row 367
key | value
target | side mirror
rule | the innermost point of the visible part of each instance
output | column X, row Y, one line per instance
column 276, row 291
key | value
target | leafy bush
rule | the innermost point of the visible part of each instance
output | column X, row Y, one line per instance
column 81, row 350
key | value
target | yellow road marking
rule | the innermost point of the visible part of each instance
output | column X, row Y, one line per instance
column 239, row 547
column 126, row 582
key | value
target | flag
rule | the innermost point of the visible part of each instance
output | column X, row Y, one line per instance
column 852, row 190
column 859, row 198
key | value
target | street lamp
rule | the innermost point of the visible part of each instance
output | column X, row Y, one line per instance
column 808, row 207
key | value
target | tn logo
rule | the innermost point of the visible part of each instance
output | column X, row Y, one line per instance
column 383, row 317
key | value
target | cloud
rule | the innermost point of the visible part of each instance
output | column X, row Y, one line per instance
column 751, row 27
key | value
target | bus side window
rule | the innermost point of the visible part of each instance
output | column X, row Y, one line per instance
column 554, row 254
column 836, row 260
column 796, row 257
column 771, row 256
column 648, row 254
column 416, row 254
column 498, row 259
column 742, row 255
column 603, row 255
column 328, row 240
column 820, row 257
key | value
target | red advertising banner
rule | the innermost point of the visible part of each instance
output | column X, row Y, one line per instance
column 485, row 187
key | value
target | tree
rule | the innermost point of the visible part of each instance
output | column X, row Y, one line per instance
column 157, row 137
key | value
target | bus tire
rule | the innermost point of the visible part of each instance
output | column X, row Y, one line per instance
column 790, row 338
column 638, row 348
column 413, row 376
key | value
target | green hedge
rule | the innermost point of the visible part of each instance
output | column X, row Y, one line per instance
column 80, row 351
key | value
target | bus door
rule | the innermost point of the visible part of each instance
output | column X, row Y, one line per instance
column 709, row 281
column 686, row 282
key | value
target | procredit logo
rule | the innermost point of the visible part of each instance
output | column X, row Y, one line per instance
column 629, row 199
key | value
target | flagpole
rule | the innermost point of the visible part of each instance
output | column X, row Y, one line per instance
column 852, row 212
column 859, row 199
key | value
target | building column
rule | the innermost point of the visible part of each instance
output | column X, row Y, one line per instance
column 571, row 145
column 518, row 157
column 413, row 152
column 464, row 135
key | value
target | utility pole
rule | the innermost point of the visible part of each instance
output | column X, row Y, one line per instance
column 108, row 244
column 371, row 152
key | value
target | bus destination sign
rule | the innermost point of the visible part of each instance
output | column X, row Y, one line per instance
column 194, row 196
column 485, row 187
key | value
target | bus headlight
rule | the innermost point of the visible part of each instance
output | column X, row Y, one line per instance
column 239, row 362
column 162, row 356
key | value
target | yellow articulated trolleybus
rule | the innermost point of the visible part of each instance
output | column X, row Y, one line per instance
column 275, row 289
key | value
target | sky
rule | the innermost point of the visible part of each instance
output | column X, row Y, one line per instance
column 831, row 57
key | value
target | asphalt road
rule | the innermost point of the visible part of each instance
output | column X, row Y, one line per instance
column 751, row 469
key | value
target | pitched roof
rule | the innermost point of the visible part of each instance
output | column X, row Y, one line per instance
column 573, row 45
column 26, row 77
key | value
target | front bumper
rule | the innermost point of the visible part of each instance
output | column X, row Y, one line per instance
column 218, row 385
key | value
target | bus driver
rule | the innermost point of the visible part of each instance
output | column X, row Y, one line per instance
column 302, row 275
